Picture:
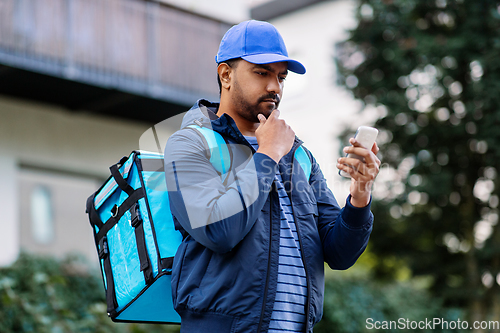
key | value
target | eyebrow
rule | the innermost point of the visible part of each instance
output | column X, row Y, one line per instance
column 269, row 68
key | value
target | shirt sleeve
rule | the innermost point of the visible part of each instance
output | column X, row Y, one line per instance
column 215, row 214
column 344, row 232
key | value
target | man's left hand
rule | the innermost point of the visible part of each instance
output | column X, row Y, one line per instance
column 362, row 173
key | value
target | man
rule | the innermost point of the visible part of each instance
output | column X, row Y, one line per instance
column 256, row 237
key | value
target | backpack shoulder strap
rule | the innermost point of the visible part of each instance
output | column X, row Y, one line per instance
column 221, row 158
column 219, row 152
column 304, row 160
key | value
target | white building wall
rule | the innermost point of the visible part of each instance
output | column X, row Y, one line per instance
column 48, row 136
column 69, row 153
column 232, row 11
column 9, row 225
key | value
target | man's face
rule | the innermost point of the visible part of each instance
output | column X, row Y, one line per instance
column 257, row 88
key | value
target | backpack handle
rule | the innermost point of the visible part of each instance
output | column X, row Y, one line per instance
column 119, row 179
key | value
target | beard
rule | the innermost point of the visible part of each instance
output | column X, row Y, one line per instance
column 249, row 110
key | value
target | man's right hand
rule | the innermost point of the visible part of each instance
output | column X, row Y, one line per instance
column 274, row 136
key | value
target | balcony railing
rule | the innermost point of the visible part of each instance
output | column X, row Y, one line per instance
column 137, row 46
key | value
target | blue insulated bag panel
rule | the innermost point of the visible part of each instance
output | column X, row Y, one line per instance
column 149, row 308
column 136, row 240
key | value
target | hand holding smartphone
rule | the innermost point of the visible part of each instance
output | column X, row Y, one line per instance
column 366, row 137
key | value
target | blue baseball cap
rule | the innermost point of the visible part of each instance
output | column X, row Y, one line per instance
column 257, row 42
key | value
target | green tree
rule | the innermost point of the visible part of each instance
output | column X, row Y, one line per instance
column 358, row 303
column 46, row 295
column 431, row 69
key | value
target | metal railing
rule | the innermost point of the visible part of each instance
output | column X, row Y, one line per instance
column 140, row 46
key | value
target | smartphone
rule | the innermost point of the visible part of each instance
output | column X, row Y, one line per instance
column 366, row 136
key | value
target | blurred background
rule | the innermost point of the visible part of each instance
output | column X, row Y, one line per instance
column 82, row 80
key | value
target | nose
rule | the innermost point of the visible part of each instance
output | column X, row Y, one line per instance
column 274, row 85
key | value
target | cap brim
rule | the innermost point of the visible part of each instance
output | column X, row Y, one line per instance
column 269, row 58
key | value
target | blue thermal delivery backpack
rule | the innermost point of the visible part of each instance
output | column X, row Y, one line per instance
column 135, row 236
column 136, row 240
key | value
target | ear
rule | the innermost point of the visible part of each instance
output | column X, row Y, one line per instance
column 225, row 75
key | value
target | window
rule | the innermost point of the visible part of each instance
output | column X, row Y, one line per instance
column 52, row 212
column 42, row 222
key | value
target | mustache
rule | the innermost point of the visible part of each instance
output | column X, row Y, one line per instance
column 272, row 96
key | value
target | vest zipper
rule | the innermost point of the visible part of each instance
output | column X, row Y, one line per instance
column 264, row 301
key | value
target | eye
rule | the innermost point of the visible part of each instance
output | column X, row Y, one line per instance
column 261, row 73
column 282, row 78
